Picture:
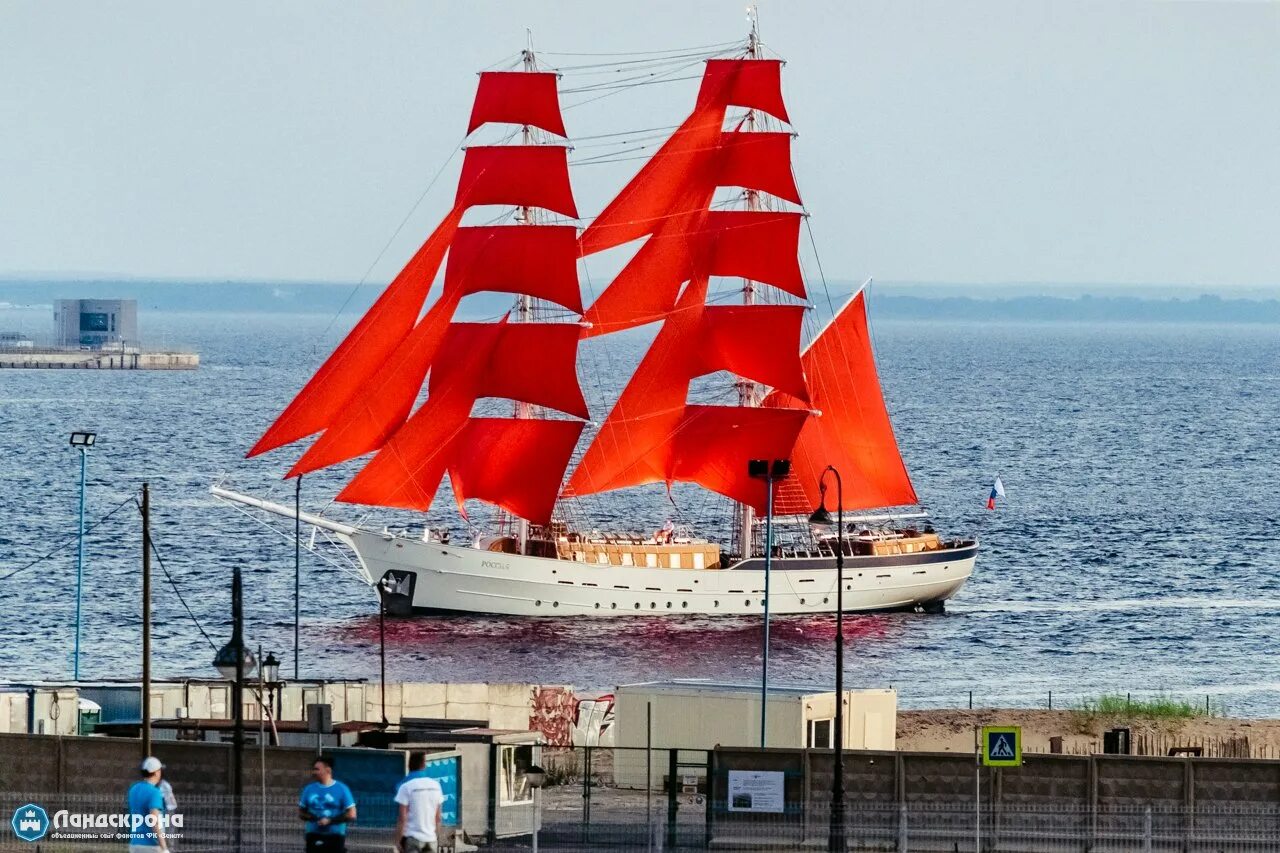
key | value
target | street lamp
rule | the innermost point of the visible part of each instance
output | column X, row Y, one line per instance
column 536, row 777
column 822, row 517
column 385, row 587
column 235, row 662
column 769, row 471
column 81, row 441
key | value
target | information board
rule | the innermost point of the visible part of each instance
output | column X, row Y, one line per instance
column 757, row 791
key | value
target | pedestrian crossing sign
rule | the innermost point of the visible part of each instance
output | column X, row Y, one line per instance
column 1001, row 746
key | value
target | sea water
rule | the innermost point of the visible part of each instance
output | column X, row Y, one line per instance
column 1137, row 548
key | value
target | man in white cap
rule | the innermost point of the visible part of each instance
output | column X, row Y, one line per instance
column 146, row 810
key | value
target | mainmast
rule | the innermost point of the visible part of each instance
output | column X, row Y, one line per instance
column 748, row 391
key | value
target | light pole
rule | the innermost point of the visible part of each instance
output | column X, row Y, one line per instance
column 81, row 441
column 385, row 586
column 537, row 777
column 234, row 662
column 835, row 832
column 770, row 471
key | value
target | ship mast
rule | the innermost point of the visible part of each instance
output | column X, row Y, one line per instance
column 524, row 302
column 748, row 391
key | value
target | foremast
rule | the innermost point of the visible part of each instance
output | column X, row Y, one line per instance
column 362, row 398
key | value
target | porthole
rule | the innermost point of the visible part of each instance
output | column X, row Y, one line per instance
column 748, row 602
column 668, row 605
column 538, row 603
column 613, row 606
column 684, row 604
column 715, row 603
column 555, row 604
column 825, row 600
column 653, row 605
column 597, row 605
column 637, row 605
column 802, row 601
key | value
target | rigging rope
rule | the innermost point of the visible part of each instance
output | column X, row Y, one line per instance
column 66, row 541
column 174, row 584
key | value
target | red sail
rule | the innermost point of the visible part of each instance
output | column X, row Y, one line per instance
column 406, row 472
column 758, row 161
column 530, row 362
column 371, row 417
column 653, row 436
column 517, row 464
column 673, row 182
column 853, row 432
column 757, row 342
column 752, row 83
column 537, row 260
column 520, row 175
column 712, row 445
column 646, row 289
column 518, row 97
column 758, row 245
column 366, row 349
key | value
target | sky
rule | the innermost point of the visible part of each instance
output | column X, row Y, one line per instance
column 939, row 141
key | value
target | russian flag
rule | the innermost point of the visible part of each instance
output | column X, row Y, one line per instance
column 997, row 490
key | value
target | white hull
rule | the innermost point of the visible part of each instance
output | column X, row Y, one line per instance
column 436, row 578
column 431, row 577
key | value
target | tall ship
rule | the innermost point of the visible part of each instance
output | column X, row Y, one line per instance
column 729, row 396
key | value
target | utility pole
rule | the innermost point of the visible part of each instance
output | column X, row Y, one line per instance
column 146, row 620
column 297, row 571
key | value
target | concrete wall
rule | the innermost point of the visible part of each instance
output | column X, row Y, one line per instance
column 94, row 360
column 1091, row 798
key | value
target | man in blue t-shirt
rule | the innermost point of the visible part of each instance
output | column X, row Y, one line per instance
column 146, row 810
column 327, row 806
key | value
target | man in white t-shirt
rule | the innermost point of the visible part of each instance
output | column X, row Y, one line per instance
column 421, row 801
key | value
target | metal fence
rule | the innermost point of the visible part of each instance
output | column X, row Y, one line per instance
column 632, row 820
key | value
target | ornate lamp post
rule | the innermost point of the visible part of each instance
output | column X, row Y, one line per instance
column 821, row 516
column 235, row 662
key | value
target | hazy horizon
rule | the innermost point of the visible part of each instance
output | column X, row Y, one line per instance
column 1076, row 143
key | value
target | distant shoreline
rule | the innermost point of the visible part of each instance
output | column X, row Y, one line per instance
column 887, row 302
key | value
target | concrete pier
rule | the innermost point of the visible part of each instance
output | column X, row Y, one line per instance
column 77, row 359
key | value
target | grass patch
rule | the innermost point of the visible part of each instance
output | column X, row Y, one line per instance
column 1160, row 707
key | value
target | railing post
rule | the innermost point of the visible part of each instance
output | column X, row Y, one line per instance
column 1146, row 830
column 586, row 792
column 902, row 828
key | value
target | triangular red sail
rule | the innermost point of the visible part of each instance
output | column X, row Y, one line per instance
column 653, row 436
column 518, row 97
column 757, row 342
column 530, row 362
column 673, row 182
column 520, row 175
column 517, row 464
column 760, row 245
column 854, row 432
column 366, row 348
column 372, row 416
column 758, row 161
column 646, row 289
column 407, row 471
column 537, row 260
column 752, row 83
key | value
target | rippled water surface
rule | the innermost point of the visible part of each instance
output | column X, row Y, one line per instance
column 1137, row 550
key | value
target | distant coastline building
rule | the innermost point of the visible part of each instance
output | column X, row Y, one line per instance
column 96, row 323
